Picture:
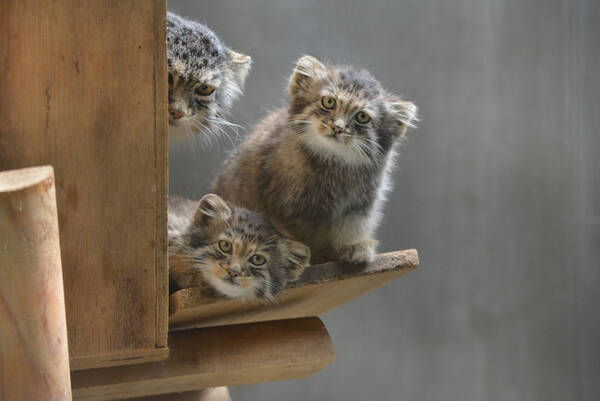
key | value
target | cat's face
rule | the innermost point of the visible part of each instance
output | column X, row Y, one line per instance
column 205, row 77
column 240, row 254
column 344, row 113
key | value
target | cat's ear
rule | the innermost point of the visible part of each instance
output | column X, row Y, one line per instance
column 212, row 213
column 402, row 113
column 298, row 256
column 240, row 64
column 308, row 69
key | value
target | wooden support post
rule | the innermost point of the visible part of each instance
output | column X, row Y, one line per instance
column 209, row 394
column 34, row 358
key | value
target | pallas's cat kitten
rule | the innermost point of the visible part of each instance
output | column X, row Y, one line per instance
column 205, row 77
column 319, row 168
column 232, row 250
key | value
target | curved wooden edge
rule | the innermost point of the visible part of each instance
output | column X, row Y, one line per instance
column 319, row 289
column 17, row 180
column 218, row 356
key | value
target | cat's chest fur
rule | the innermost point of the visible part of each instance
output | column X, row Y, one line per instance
column 316, row 187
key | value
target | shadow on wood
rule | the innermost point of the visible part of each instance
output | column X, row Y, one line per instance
column 319, row 289
column 209, row 394
column 219, row 356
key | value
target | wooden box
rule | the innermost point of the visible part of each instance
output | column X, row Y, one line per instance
column 84, row 89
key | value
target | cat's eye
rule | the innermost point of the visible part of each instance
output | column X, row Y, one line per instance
column 225, row 246
column 328, row 102
column 204, row 90
column 363, row 117
column 257, row 259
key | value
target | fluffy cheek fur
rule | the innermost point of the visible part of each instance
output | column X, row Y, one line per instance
column 354, row 147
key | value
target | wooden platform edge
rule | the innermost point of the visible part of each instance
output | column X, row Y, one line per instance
column 119, row 358
column 217, row 356
column 319, row 289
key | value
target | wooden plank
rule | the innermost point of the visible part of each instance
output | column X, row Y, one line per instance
column 217, row 356
column 161, row 155
column 83, row 88
column 34, row 356
column 321, row 288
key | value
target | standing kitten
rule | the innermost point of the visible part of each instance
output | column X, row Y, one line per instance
column 234, row 251
column 319, row 169
column 205, row 77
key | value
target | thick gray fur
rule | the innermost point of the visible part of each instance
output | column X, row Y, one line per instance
column 196, row 56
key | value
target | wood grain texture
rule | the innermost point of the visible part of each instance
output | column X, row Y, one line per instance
column 209, row 394
column 34, row 356
column 217, row 356
column 83, row 88
column 319, row 289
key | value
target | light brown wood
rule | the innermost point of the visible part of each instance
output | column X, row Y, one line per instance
column 83, row 87
column 34, row 357
column 209, row 394
column 217, row 356
column 321, row 288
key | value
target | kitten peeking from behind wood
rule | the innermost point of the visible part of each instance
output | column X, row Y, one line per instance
column 205, row 77
column 319, row 169
column 232, row 250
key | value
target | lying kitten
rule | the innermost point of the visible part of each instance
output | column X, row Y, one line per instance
column 319, row 169
column 235, row 251
column 205, row 77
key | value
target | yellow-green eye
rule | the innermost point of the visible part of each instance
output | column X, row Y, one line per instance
column 328, row 102
column 363, row 117
column 225, row 246
column 257, row 259
column 204, row 90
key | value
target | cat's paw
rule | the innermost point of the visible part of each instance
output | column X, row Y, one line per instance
column 359, row 252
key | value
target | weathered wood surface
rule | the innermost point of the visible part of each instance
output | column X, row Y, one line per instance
column 209, row 394
column 34, row 357
column 83, row 87
column 218, row 356
column 321, row 288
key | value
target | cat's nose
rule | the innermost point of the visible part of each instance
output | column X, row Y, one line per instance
column 175, row 113
column 338, row 127
column 234, row 270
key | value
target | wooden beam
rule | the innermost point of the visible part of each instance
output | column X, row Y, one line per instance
column 34, row 356
column 219, row 356
column 321, row 288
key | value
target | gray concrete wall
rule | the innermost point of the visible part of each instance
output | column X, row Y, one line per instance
column 499, row 189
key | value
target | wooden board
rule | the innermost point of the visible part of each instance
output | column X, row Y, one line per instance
column 83, row 87
column 321, row 288
column 218, row 356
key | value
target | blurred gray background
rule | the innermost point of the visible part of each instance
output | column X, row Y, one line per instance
column 498, row 189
